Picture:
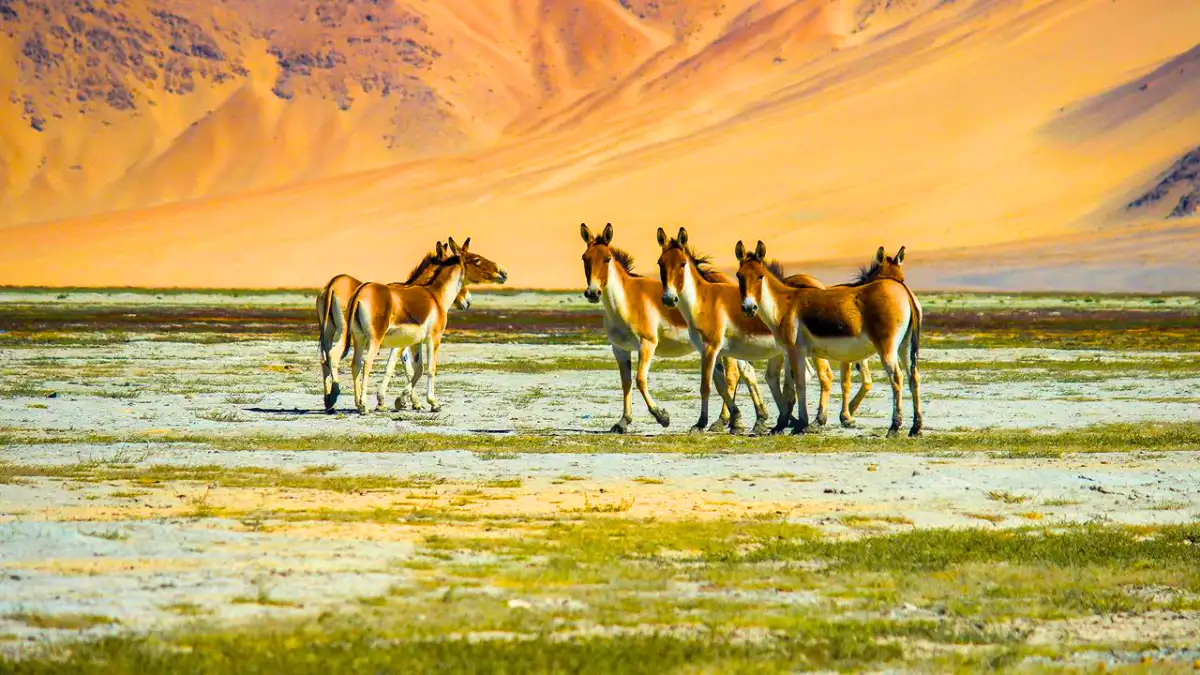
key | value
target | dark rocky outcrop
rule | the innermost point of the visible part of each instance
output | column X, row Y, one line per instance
column 1183, row 178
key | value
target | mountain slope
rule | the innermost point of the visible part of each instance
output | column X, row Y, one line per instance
column 825, row 129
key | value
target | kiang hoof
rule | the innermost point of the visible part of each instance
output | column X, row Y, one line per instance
column 781, row 426
column 697, row 429
column 893, row 431
column 662, row 417
column 719, row 425
column 822, row 419
column 619, row 428
column 801, row 430
column 435, row 407
column 399, row 404
column 760, row 428
column 848, row 422
column 914, row 432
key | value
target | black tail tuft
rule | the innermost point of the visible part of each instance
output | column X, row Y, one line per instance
column 914, row 333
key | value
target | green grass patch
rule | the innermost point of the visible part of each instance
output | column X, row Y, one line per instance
column 1060, row 501
column 598, row 594
column 1012, row 442
column 1006, row 497
column 349, row 646
column 61, row 621
column 186, row 609
column 503, row 483
column 233, row 477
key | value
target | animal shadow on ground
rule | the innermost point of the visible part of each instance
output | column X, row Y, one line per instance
column 285, row 411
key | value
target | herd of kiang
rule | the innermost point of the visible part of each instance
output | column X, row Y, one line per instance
column 796, row 323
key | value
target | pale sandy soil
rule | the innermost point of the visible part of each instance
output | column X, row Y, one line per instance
column 76, row 547
column 269, row 386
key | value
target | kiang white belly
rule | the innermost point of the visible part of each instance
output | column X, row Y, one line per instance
column 406, row 335
column 621, row 335
column 853, row 348
column 674, row 341
column 751, row 347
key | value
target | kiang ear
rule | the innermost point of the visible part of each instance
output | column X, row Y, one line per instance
column 682, row 236
column 608, row 233
column 453, row 246
column 879, row 256
column 740, row 251
column 466, row 245
column 900, row 256
column 760, row 251
column 438, row 251
column 585, row 233
column 662, row 237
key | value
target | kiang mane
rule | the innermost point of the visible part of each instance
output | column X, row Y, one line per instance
column 865, row 273
column 775, row 268
column 429, row 259
column 624, row 259
column 703, row 263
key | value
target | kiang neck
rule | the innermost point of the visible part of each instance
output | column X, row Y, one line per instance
column 689, row 290
column 447, row 283
column 768, row 302
column 614, row 289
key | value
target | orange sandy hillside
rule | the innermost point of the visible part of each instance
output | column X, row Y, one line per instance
column 347, row 136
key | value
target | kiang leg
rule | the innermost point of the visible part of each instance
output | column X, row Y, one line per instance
column 625, row 365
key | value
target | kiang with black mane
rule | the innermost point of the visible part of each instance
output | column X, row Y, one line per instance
column 635, row 320
column 711, row 306
column 844, row 323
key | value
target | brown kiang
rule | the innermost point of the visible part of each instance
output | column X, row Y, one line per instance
column 710, row 305
column 842, row 323
column 882, row 267
column 334, row 308
column 635, row 320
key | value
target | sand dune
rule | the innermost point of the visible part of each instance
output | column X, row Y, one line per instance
column 825, row 129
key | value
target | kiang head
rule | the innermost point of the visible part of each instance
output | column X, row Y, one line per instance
column 887, row 267
column 883, row 267
column 752, row 271
column 673, row 264
column 480, row 270
column 596, row 260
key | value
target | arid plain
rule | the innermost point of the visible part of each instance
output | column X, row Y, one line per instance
column 169, row 477
column 175, row 498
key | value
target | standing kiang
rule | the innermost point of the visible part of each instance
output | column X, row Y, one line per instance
column 333, row 312
column 717, row 327
column 882, row 267
column 635, row 320
column 846, row 323
column 398, row 317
